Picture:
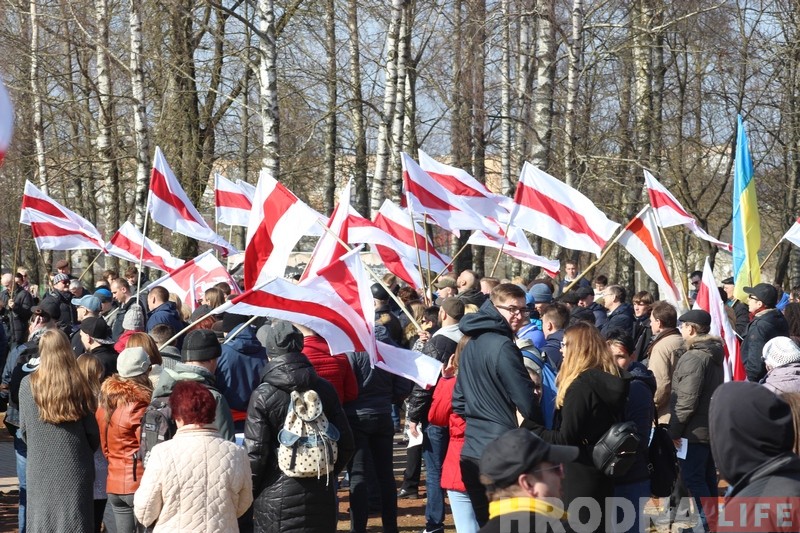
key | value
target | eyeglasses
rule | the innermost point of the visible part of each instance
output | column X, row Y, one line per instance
column 559, row 467
column 522, row 311
column 754, row 298
column 696, row 283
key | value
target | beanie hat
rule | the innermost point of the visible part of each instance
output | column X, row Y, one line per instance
column 261, row 333
column 132, row 362
column 200, row 312
column 781, row 351
column 231, row 320
column 541, row 294
column 134, row 318
column 283, row 338
column 200, row 345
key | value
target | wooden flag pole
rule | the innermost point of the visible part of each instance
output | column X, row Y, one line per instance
column 764, row 262
column 233, row 335
column 594, row 263
column 416, row 247
column 661, row 229
column 428, row 256
column 448, row 265
column 88, row 268
column 502, row 245
column 141, row 252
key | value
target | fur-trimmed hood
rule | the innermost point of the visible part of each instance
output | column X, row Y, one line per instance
column 117, row 391
column 699, row 339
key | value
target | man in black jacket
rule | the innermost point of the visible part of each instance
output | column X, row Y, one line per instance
column 620, row 313
column 16, row 310
column 752, row 438
column 492, row 383
column 767, row 323
column 61, row 296
column 740, row 309
column 441, row 347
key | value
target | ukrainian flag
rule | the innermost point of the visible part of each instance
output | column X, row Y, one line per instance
column 746, row 224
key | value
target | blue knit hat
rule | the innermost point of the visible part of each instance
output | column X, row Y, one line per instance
column 540, row 294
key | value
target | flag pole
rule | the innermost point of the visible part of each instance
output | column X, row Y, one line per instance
column 187, row 328
column 502, row 245
column 416, row 247
column 144, row 239
column 597, row 261
column 233, row 335
column 428, row 255
column 88, row 268
column 764, row 262
column 661, row 230
column 376, row 277
column 448, row 265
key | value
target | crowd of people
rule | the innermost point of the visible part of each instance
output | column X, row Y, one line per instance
column 533, row 375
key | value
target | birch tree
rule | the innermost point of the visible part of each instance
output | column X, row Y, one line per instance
column 357, row 110
column 270, row 118
column 141, row 135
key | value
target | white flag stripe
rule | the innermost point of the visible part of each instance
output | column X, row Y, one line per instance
column 518, row 247
column 127, row 244
column 232, row 204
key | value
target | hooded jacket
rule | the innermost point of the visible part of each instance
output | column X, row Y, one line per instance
column 621, row 318
column 783, row 379
column 120, row 436
column 239, row 367
column 552, row 348
column 492, row 382
column 335, row 368
column 594, row 401
column 639, row 408
column 766, row 325
column 284, row 504
column 223, row 421
column 17, row 318
column 697, row 375
column 752, row 437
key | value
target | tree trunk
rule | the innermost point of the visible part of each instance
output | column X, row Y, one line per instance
column 573, row 85
column 505, row 102
column 330, row 119
column 38, row 122
column 140, row 130
column 523, row 85
column 398, row 118
column 545, row 77
column 460, row 123
column 357, row 112
column 269, row 88
column 477, row 18
column 389, row 99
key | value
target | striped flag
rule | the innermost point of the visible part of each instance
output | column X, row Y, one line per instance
column 709, row 300
column 329, row 247
column 190, row 280
column 516, row 245
column 396, row 222
column 746, row 224
column 552, row 209
column 170, row 207
column 54, row 226
column 640, row 237
column 127, row 244
column 6, row 121
column 231, row 202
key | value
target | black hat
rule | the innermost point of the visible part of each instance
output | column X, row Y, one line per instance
column 96, row 327
column 571, row 298
column 378, row 292
column 696, row 316
column 282, row 338
column 727, row 281
column 764, row 292
column 516, row 452
column 200, row 312
column 47, row 308
column 583, row 292
column 231, row 320
column 200, row 345
column 454, row 307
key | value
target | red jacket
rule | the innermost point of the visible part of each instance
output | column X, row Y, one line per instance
column 119, row 439
column 334, row 368
column 441, row 414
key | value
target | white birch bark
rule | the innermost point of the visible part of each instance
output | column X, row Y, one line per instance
column 505, row 102
column 573, row 83
column 36, row 96
column 140, row 130
column 330, row 119
column 378, row 193
column 398, row 118
column 357, row 110
column 542, row 118
column 268, row 70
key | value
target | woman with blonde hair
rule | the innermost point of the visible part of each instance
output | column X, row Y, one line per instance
column 213, row 297
column 123, row 400
column 57, row 408
column 590, row 399
column 94, row 371
column 145, row 341
column 183, row 310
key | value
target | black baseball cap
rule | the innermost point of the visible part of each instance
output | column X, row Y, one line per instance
column 766, row 293
column 516, row 452
column 48, row 309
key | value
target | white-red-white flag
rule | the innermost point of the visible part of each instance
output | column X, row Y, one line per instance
column 231, row 202
column 554, row 210
column 640, row 237
column 363, row 231
column 51, row 233
column 57, row 223
column 670, row 212
column 247, row 188
column 516, row 245
column 793, row 235
column 277, row 221
column 709, row 299
column 396, row 222
column 473, row 192
column 127, row 244
column 330, row 246
column 6, row 121
column 426, row 196
column 190, row 280
column 169, row 205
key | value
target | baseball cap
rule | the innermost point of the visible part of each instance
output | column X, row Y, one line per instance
column 103, row 294
column 764, row 292
column 96, row 327
column 92, row 303
column 445, row 281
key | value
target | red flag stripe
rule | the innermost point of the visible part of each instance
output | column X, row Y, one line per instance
column 638, row 228
column 39, row 204
column 135, row 249
column 456, row 186
column 231, row 199
column 48, row 229
column 569, row 218
column 430, row 201
column 405, row 235
column 261, row 245
column 658, row 199
column 272, row 301
column 158, row 185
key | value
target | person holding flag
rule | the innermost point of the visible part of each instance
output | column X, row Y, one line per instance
column 766, row 323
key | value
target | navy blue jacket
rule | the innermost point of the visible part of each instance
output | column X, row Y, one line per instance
column 239, row 367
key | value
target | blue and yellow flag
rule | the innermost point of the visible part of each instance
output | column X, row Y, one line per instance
column 746, row 224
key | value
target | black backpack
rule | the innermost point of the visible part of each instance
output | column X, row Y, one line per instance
column 662, row 463
column 615, row 452
column 157, row 427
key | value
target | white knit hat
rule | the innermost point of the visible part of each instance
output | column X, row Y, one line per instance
column 781, row 351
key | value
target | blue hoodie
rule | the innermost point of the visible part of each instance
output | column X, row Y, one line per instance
column 239, row 367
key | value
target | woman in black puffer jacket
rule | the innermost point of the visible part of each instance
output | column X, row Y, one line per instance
column 286, row 504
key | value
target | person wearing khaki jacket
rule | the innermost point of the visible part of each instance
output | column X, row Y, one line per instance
column 662, row 355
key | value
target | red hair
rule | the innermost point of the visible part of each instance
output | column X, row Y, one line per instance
column 192, row 403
